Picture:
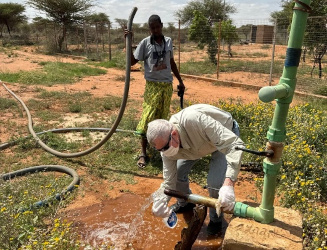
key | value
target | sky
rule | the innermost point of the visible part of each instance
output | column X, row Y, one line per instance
column 248, row 12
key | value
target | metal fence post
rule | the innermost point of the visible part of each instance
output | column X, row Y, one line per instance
column 273, row 53
column 85, row 39
column 97, row 39
column 179, row 45
column 218, row 47
column 109, row 40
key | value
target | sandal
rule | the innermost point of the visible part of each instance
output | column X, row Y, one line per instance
column 141, row 163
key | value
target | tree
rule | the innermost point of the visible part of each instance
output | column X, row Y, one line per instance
column 97, row 18
column 283, row 17
column 63, row 12
column 11, row 14
column 200, row 31
column 39, row 26
column 100, row 20
column 215, row 9
column 316, row 32
column 245, row 30
column 228, row 34
column 122, row 22
column 315, row 35
column 171, row 27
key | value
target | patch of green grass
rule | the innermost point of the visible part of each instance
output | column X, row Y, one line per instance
column 246, row 66
column 107, row 64
column 206, row 67
column 7, row 103
column 61, row 95
column 81, row 102
column 309, row 84
column 55, row 141
column 85, row 104
column 38, row 105
column 266, row 46
column 321, row 91
column 75, row 107
column 256, row 54
column 316, row 103
column 45, row 115
column 111, row 102
column 53, row 73
column 198, row 68
column 10, row 77
column 118, row 60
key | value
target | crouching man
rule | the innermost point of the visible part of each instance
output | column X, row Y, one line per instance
column 189, row 135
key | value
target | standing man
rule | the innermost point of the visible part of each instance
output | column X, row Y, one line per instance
column 189, row 135
column 156, row 51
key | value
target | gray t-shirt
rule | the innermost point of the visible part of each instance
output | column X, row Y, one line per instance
column 156, row 59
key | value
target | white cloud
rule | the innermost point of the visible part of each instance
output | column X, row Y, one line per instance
column 254, row 12
column 123, row 8
column 247, row 11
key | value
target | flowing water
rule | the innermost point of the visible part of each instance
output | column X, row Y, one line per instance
column 128, row 223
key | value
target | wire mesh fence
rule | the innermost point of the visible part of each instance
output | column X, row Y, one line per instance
column 251, row 51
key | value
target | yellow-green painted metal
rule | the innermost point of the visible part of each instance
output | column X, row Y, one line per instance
column 283, row 93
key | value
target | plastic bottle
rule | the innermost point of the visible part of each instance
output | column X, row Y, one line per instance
column 171, row 220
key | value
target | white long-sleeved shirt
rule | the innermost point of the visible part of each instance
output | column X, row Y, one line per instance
column 203, row 129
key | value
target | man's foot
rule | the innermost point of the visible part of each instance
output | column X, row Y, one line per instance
column 177, row 208
column 217, row 228
column 141, row 162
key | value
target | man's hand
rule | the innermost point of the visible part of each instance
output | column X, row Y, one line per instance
column 126, row 32
column 227, row 197
column 160, row 208
column 181, row 88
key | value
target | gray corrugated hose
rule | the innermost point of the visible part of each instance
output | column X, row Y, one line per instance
column 45, row 168
column 120, row 114
column 62, row 130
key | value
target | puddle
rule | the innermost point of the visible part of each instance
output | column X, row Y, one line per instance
column 127, row 223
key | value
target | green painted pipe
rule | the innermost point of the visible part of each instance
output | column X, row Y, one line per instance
column 268, row 94
column 283, row 93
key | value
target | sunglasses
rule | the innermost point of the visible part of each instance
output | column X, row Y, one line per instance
column 166, row 146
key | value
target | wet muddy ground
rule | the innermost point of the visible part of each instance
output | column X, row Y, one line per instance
column 125, row 220
column 127, row 223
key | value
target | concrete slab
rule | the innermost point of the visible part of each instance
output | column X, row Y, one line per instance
column 285, row 233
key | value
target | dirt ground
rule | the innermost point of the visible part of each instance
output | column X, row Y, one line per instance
column 97, row 210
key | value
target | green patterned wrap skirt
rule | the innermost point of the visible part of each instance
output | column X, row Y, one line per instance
column 156, row 105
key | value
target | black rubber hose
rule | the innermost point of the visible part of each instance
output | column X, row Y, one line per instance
column 45, row 168
column 61, row 130
column 120, row 114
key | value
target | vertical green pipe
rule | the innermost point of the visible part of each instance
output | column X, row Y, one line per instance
column 283, row 93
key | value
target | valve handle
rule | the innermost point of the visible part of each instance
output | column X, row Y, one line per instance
column 268, row 153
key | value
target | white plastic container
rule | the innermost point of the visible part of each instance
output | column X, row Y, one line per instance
column 171, row 221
